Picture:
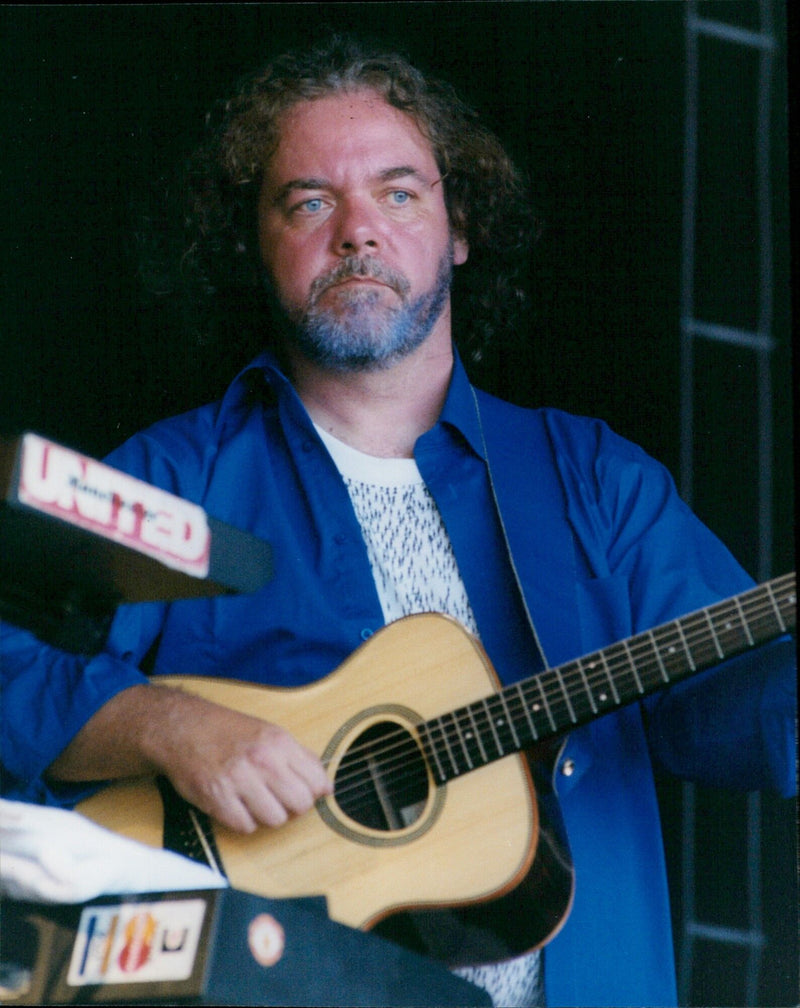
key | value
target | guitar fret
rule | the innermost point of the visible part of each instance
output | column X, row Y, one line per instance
column 478, row 736
column 540, row 686
column 537, row 709
column 745, row 624
column 446, row 745
column 581, row 700
column 432, row 749
column 632, row 664
column 619, row 666
column 520, row 688
column 452, row 737
column 647, row 663
column 689, row 658
column 560, row 678
column 705, row 650
column 588, row 687
column 670, row 649
column 466, row 738
column 501, row 723
column 592, row 664
column 492, row 727
column 714, row 637
column 657, row 653
column 610, row 678
column 730, row 629
column 510, row 720
column 555, row 699
column 781, row 624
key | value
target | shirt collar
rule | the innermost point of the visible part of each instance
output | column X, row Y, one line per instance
column 460, row 410
column 262, row 374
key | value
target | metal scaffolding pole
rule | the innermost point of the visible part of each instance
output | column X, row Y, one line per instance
column 760, row 341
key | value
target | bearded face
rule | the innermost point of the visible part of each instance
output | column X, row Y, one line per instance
column 354, row 328
column 354, row 232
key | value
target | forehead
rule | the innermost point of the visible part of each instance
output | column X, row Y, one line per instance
column 350, row 131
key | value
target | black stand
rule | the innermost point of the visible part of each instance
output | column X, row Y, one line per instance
column 70, row 552
column 210, row 947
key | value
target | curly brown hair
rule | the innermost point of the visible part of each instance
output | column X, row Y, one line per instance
column 486, row 197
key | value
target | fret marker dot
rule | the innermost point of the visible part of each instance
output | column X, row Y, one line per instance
column 499, row 722
column 603, row 697
column 536, row 708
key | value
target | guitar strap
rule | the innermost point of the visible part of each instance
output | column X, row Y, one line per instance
column 187, row 830
column 531, row 504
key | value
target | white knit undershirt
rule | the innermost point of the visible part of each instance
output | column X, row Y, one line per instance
column 415, row 571
column 407, row 544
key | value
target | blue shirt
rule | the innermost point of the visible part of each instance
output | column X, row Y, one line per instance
column 603, row 547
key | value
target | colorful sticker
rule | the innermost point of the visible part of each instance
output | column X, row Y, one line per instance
column 137, row 942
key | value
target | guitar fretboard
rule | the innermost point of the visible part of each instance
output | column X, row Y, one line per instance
column 558, row 699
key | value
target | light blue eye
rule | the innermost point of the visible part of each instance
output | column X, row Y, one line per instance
column 313, row 205
column 400, row 197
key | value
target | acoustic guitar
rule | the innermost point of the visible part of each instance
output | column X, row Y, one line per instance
column 429, row 757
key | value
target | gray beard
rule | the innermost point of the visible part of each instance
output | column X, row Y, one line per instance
column 361, row 334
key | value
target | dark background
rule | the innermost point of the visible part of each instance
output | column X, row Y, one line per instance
column 97, row 101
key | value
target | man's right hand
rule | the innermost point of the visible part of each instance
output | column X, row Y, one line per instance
column 241, row 770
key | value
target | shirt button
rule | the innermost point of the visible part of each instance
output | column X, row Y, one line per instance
column 568, row 767
column 366, row 633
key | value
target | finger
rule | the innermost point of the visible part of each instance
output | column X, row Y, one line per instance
column 249, row 802
column 311, row 769
column 222, row 801
column 294, row 773
column 291, row 790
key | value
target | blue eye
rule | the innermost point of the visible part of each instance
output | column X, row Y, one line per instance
column 400, row 197
column 313, row 205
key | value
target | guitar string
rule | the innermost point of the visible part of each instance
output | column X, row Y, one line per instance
column 460, row 714
column 694, row 626
column 407, row 780
column 403, row 739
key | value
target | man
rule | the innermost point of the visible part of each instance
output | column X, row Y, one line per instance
column 388, row 485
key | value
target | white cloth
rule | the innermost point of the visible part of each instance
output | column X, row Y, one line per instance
column 52, row 855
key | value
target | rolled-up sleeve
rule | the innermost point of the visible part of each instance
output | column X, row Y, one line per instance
column 49, row 694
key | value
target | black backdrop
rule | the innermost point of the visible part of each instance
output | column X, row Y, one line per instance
column 101, row 99
column 98, row 100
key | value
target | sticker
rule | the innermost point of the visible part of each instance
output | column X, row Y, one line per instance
column 95, row 497
column 136, row 942
column 266, row 939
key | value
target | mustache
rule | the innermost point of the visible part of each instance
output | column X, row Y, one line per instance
column 366, row 267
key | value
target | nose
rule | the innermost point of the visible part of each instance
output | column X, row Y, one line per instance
column 356, row 228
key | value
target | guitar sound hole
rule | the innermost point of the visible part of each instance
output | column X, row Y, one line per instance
column 382, row 782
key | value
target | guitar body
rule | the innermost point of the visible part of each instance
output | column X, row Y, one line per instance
column 436, row 835
column 470, row 870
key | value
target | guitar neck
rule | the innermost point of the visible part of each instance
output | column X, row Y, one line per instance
column 559, row 699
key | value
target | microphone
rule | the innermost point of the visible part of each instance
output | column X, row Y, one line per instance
column 78, row 538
